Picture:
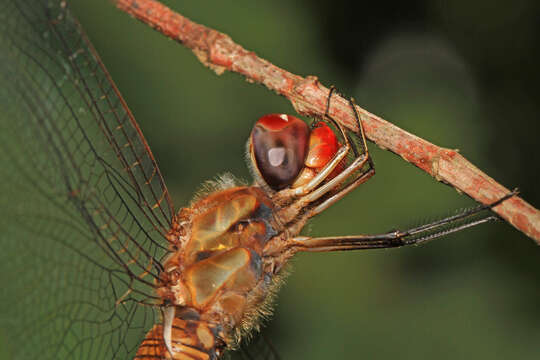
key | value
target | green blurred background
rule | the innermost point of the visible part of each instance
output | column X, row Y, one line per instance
column 461, row 74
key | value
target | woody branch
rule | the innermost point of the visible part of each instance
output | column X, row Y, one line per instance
column 220, row 53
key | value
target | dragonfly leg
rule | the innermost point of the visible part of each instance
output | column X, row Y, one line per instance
column 343, row 150
column 398, row 238
column 362, row 178
column 301, row 222
column 354, row 169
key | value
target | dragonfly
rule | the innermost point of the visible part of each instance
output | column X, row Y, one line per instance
column 106, row 267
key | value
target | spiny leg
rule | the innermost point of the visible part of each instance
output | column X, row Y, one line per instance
column 399, row 238
column 297, row 226
column 361, row 131
column 328, row 168
column 316, row 194
column 359, row 163
column 360, row 179
column 331, row 119
column 344, row 134
column 290, row 212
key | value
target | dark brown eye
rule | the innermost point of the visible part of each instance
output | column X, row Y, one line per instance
column 279, row 144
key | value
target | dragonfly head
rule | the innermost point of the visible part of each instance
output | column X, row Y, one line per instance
column 284, row 152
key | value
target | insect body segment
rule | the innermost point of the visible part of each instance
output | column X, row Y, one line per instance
column 216, row 285
column 181, row 339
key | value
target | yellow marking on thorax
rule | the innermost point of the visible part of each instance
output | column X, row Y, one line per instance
column 209, row 227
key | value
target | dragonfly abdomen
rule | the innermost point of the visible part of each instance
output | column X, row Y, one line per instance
column 180, row 339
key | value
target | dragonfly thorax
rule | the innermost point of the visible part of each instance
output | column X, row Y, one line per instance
column 219, row 269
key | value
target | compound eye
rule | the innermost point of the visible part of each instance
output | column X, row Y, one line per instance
column 279, row 144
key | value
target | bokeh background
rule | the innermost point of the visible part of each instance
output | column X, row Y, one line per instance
column 462, row 74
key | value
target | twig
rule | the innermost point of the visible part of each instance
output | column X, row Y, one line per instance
column 218, row 52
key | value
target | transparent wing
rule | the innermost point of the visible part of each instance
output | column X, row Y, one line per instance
column 83, row 207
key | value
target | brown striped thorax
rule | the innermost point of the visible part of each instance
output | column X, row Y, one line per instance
column 218, row 270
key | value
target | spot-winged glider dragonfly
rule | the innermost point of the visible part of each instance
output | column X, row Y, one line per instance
column 92, row 212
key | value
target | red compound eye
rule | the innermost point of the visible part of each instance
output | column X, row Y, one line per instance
column 279, row 144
